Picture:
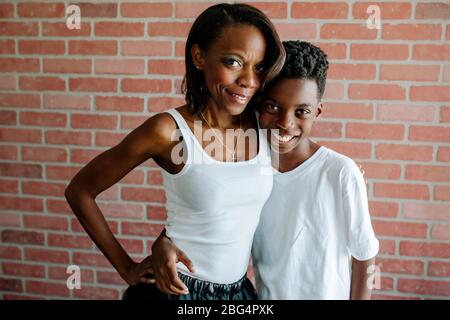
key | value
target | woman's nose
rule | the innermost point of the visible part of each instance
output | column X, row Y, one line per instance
column 248, row 78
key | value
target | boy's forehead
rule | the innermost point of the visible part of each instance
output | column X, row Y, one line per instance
column 293, row 88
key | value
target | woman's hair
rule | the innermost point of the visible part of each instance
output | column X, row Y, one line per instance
column 305, row 61
column 208, row 27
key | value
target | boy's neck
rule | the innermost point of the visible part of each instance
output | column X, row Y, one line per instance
column 292, row 159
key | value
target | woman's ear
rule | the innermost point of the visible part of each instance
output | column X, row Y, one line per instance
column 197, row 56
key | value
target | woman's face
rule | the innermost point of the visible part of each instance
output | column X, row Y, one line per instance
column 232, row 66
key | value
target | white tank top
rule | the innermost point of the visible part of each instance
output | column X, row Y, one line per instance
column 213, row 208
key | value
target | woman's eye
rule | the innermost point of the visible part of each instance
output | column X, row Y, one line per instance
column 232, row 62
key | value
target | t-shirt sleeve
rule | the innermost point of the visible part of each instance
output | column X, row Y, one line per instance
column 361, row 240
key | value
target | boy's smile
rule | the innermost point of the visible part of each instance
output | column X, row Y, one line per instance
column 288, row 111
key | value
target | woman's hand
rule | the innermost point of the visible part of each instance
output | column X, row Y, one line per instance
column 165, row 256
column 139, row 272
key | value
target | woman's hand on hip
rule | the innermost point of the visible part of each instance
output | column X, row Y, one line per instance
column 140, row 272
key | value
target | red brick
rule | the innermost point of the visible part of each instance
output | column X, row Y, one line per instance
column 154, row 177
column 69, row 241
column 9, row 252
column 43, row 188
column 21, row 203
column 119, row 29
column 58, row 206
column 23, row 270
column 93, row 84
column 439, row 269
column 108, row 139
column 347, row 31
column 68, row 137
column 441, row 232
column 23, row 237
column 90, row 121
column 41, row 47
column 430, row 93
column 6, row 10
column 375, row 296
column 19, row 28
column 392, row 112
column 46, row 255
column 427, row 173
column 169, row 67
column 45, row 222
column 20, row 170
column 10, row 220
column 61, row 172
column 347, row 110
column 400, row 229
column 8, row 152
column 42, row 83
column 156, row 213
column 19, row 65
column 90, row 259
column 43, row 154
column 333, row 50
column 8, row 118
column 423, row 249
column 383, row 209
column 98, row 10
column 424, row 286
column 127, row 104
column 117, row 210
column 374, row 170
column 109, row 278
column 59, row 29
column 379, row 51
column 146, row 48
column 158, row 104
column 66, row 102
column 141, row 229
column 375, row 131
column 146, row 10
column 404, row 152
column 134, row 177
column 41, row 10
column 171, row 29
column 109, row 194
column 43, row 119
column 111, row 66
column 75, row 226
column 20, row 100
column 404, row 191
column 327, row 129
column 316, row 10
column 343, row 71
column 146, row 85
column 426, row 211
column 132, row 246
column 409, row 72
column 7, row 46
column 93, row 47
column 429, row 133
column 47, row 288
column 8, row 82
column 358, row 150
column 11, row 285
column 443, row 154
column 376, row 91
column 431, row 52
column 396, row 10
column 400, row 266
column 442, row 193
column 83, row 155
column 143, row 194
column 67, row 65
column 334, row 91
column 411, row 31
column 97, row 293
column 131, row 122
column 433, row 11
column 447, row 73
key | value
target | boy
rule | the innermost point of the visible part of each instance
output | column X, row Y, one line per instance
column 314, row 239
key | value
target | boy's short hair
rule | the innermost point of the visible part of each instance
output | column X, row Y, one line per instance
column 305, row 61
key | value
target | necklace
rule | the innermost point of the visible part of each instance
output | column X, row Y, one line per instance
column 233, row 154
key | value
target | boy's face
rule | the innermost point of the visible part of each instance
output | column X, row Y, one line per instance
column 291, row 106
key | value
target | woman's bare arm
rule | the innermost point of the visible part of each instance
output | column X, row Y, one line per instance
column 150, row 140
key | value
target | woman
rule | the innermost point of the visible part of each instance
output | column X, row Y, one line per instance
column 213, row 206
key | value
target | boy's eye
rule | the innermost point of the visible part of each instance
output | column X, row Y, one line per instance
column 270, row 107
column 303, row 112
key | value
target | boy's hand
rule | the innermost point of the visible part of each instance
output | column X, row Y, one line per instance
column 139, row 272
column 165, row 256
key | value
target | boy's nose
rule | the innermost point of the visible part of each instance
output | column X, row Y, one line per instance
column 285, row 121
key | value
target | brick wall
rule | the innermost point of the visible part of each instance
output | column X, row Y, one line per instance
column 67, row 95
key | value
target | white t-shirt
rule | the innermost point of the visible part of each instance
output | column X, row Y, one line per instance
column 315, row 220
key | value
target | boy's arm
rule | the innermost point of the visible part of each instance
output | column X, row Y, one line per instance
column 359, row 288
